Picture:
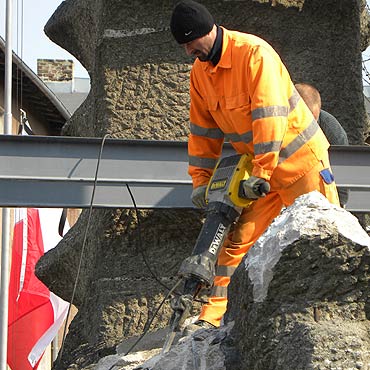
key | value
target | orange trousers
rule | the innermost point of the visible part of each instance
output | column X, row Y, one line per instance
column 253, row 221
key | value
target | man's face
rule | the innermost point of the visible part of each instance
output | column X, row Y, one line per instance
column 200, row 47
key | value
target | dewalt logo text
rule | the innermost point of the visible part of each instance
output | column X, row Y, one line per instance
column 217, row 240
column 218, row 184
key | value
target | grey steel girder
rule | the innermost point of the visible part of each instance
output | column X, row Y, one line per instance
column 44, row 171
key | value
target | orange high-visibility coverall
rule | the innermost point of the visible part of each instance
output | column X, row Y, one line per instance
column 249, row 99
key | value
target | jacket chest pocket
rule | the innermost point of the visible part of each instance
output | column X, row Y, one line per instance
column 238, row 101
column 232, row 114
column 238, row 111
column 229, row 102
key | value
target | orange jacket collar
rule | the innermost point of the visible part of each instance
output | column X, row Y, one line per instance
column 225, row 60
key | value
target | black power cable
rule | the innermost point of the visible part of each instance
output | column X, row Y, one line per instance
column 170, row 291
column 83, row 244
column 141, row 249
column 147, row 326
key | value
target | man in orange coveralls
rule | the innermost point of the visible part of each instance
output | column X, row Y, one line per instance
column 241, row 91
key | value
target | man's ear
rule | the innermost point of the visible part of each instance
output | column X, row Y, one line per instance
column 316, row 112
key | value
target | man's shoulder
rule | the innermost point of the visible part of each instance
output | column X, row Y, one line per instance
column 243, row 37
column 247, row 44
column 325, row 114
column 327, row 118
column 332, row 129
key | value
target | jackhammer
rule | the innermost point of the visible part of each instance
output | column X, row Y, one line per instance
column 225, row 202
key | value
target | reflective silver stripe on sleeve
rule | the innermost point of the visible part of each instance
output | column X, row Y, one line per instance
column 299, row 141
column 212, row 133
column 246, row 138
column 273, row 111
column 202, row 162
column 219, row 291
column 293, row 100
column 271, row 146
column 225, row 270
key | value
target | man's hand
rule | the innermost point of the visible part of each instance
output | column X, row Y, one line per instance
column 254, row 188
column 198, row 196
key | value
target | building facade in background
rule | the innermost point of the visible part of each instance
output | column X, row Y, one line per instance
column 58, row 76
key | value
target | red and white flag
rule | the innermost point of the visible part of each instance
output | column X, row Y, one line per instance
column 35, row 313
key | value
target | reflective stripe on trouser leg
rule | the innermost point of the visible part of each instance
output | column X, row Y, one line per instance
column 250, row 226
column 222, row 280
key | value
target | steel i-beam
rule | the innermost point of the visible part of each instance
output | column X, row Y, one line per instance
column 44, row 171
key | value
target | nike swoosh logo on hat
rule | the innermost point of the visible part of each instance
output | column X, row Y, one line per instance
column 188, row 33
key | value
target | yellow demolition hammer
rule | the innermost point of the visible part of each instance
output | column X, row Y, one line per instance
column 225, row 202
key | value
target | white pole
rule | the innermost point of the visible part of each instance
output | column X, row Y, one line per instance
column 5, row 246
column 8, row 70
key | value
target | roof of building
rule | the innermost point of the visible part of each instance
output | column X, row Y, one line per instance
column 72, row 100
column 72, row 93
column 35, row 91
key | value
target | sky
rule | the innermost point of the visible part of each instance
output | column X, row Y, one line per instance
column 32, row 43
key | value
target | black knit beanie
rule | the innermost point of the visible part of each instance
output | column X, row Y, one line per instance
column 190, row 20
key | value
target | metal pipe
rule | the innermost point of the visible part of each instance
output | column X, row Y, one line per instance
column 8, row 72
column 5, row 243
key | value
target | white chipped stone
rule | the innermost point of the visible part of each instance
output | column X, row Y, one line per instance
column 306, row 216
